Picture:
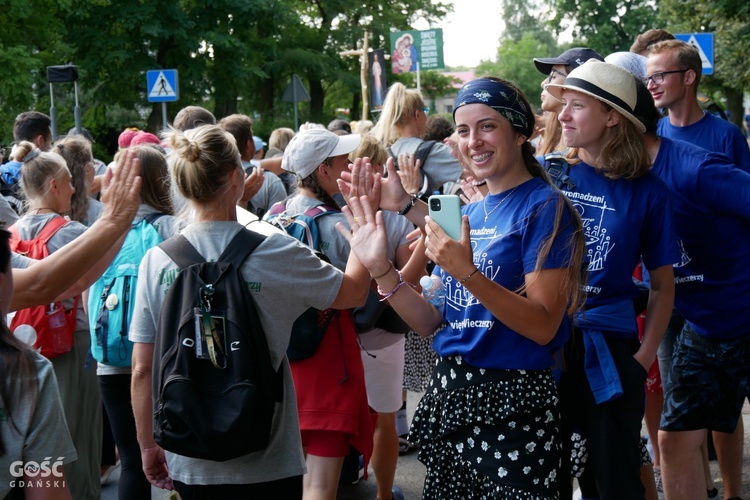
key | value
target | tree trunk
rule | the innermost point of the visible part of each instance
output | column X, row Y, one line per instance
column 356, row 109
column 317, row 95
column 267, row 100
column 734, row 106
column 154, row 123
column 225, row 104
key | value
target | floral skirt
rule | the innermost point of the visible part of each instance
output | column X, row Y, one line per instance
column 488, row 433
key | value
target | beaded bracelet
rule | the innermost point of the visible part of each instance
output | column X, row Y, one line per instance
column 400, row 283
column 408, row 206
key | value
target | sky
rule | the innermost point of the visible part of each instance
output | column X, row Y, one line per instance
column 470, row 32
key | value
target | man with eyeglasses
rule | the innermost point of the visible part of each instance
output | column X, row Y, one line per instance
column 673, row 74
column 556, row 70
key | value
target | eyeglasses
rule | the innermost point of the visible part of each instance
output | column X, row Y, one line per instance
column 426, row 111
column 658, row 78
column 554, row 74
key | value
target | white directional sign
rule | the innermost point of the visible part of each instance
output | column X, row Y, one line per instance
column 704, row 44
column 161, row 85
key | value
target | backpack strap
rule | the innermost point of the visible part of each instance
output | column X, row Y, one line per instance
column 184, row 254
column 558, row 170
column 277, row 208
column 319, row 210
column 47, row 232
column 241, row 246
column 151, row 218
column 181, row 251
column 423, row 151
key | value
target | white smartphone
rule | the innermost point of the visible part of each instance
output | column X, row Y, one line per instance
column 445, row 209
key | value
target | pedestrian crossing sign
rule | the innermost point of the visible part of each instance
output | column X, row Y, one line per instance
column 704, row 44
column 161, row 85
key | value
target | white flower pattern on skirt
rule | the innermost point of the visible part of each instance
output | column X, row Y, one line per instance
column 488, row 433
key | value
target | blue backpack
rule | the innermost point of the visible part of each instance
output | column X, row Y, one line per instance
column 112, row 297
column 302, row 226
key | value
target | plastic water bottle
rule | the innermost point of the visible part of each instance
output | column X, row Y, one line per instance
column 433, row 290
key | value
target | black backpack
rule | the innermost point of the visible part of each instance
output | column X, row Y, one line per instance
column 558, row 170
column 421, row 154
column 214, row 405
column 14, row 195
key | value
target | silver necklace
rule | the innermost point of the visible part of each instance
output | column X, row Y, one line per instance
column 484, row 204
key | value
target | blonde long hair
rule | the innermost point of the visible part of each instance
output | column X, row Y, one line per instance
column 399, row 108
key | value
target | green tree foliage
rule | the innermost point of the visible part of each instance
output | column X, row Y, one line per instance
column 432, row 84
column 31, row 30
column 604, row 25
column 515, row 63
column 231, row 55
column 525, row 37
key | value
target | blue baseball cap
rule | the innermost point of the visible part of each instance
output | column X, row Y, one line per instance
column 572, row 57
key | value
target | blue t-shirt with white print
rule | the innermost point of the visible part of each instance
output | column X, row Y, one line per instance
column 711, row 202
column 505, row 249
column 713, row 134
column 623, row 220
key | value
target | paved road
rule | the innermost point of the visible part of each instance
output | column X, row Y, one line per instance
column 409, row 476
column 410, row 473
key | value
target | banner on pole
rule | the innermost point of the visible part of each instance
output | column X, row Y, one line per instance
column 411, row 47
column 376, row 75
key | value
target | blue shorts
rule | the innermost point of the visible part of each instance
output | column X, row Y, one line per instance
column 709, row 381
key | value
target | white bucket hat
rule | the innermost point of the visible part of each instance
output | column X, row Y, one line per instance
column 308, row 149
column 606, row 82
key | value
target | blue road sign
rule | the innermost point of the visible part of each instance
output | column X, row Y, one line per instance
column 161, row 85
column 704, row 43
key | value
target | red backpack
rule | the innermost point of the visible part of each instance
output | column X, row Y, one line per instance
column 50, row 326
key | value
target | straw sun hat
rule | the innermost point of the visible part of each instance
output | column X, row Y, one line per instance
column 605, row 82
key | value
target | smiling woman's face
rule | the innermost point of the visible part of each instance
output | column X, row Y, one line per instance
column 487, row 141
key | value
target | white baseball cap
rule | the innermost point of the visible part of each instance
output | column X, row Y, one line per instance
column 308, row 149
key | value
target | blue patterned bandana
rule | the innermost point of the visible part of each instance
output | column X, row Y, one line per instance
column 499, row 97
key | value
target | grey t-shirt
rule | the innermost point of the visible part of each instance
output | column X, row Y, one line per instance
column 271, row 191
column 439, row 167
column 42, row 432
column 93, row 212
column 285, row 279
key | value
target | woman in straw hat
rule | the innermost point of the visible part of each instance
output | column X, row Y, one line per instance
column 626, row 214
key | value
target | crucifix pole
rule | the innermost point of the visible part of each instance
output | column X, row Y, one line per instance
column 364, row 78
column 364, row 73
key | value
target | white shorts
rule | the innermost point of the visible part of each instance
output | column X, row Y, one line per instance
column 384, row 369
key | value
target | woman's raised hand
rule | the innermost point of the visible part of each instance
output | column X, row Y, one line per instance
column 367, row 235
column 393, row 196
column 121, row 188
column 409, row 172
column 361, row 181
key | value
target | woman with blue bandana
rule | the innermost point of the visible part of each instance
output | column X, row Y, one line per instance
column 488, row 425
column 626, row 214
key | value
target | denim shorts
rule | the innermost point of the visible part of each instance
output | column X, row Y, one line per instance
column 709, row 381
